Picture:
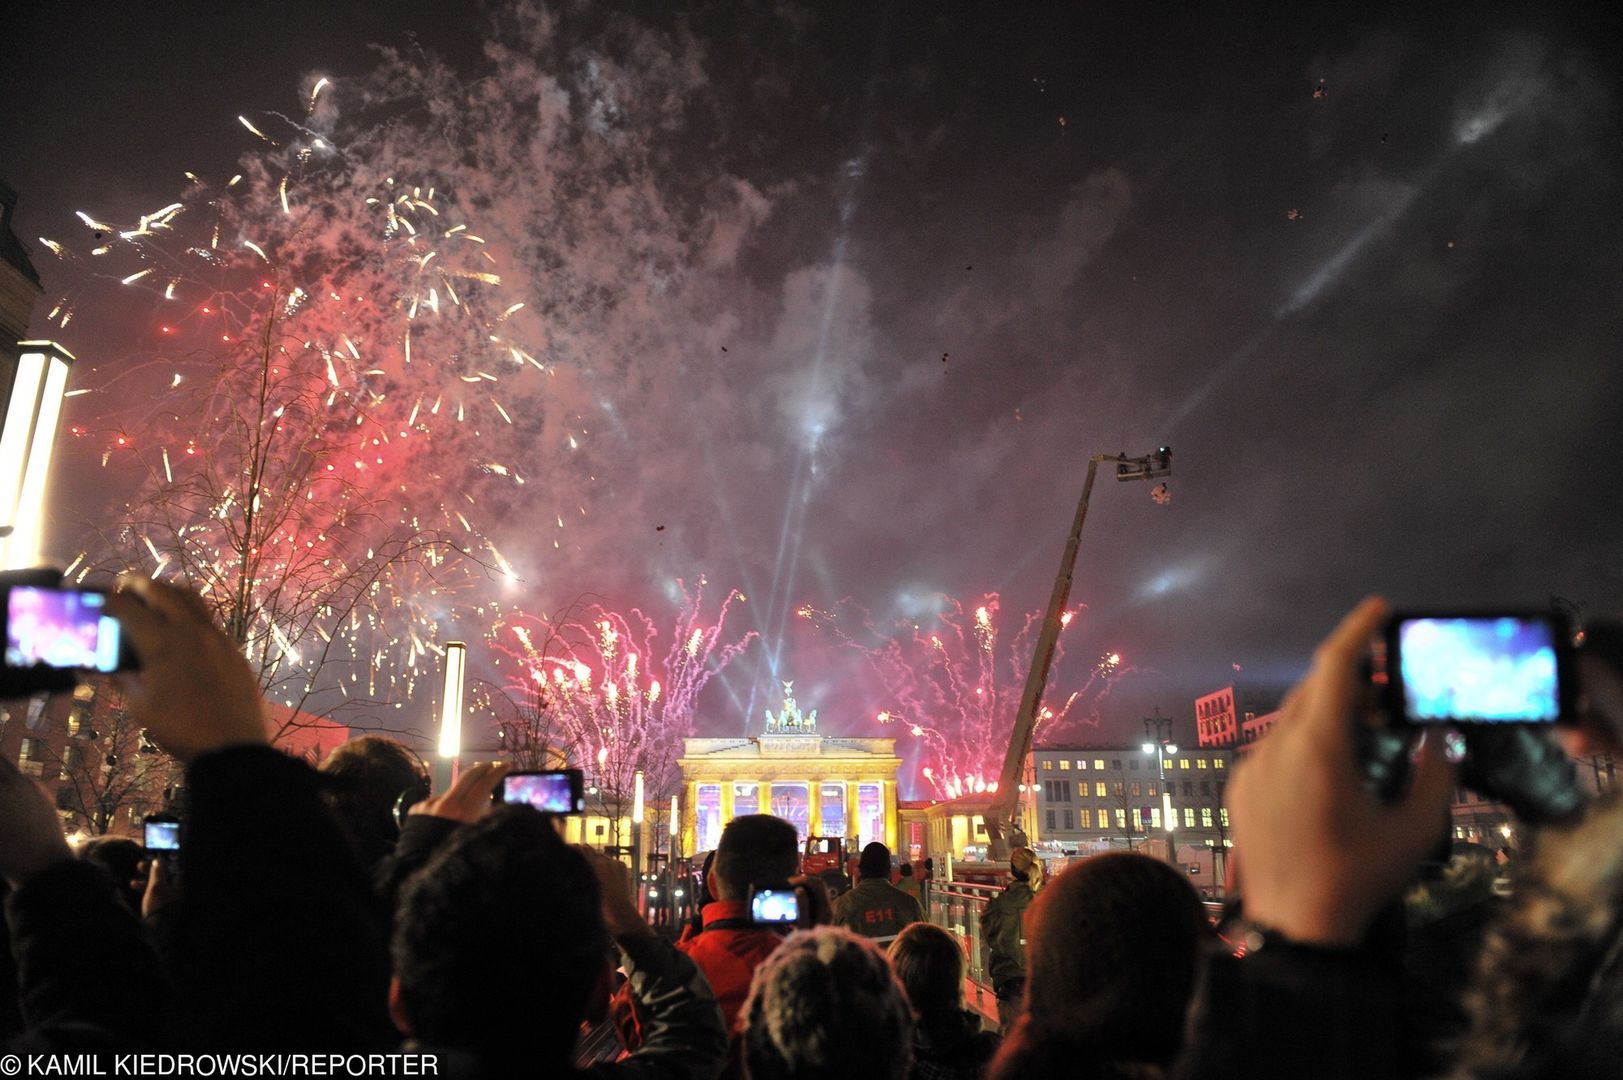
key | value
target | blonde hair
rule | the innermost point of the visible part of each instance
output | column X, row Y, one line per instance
column 1023, row 863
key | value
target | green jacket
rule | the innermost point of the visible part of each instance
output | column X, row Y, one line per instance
column 876, row 909
column 1003, row 934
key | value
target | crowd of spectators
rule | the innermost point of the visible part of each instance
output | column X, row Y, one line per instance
column 350, row 909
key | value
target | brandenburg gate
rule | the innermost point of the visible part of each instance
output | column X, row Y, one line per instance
column 824, row 786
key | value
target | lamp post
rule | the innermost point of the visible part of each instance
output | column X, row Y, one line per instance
column 456, row 659
column 26, row 445
column 1000, row 813
column 637, row 816
column 1162, row 746
column 673, row 894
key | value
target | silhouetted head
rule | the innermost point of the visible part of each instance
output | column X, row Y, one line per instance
column 875, row 862
column 366, row 778
column 122, row 858
column 929, row 963
column 499, row 942
column 826, row 1006
column 756, row 849
column 1113, row 946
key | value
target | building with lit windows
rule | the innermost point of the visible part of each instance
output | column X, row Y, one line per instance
column 1237, row 715
column 824, row 785
column 1090, row 799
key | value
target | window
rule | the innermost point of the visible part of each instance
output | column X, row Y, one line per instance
column 1201, row 763
column 1116, row 789
column 1220, row 764
column 1223, row 816
column 1135, row 789
column 792, row 803
column 1138, row 818
column 1121, row 818
column 1082, row 764
column 870, row 813
column 1133, row 764
column 833, row 809
column 1205, row 787
column 1205, row 817
column 1087, row 818
column 1070, row 822
column 70, row 761
column 31, row 757
column 1099, row 789
column 75, row 723
column 1065, row 765
column 1189, row 817
column 707, row 815
column 1099, row 763
column 1155, row 817
column 1050, row 821
column 1115, row 763
column 1048, row 765
column 1152, row 790
column 1183, row 763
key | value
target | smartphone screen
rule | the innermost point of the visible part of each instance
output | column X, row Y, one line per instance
column 163, row 836
column 557, row 791
column 774, row 906
column 1499, row 669
column 61, row 628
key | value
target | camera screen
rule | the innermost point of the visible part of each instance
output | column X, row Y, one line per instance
column 549, row 792
column 1492, row 670
column 163, row 836
column 60, row 628
column 774, row 906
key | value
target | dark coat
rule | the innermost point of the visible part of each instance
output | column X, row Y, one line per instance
column 951, row 1046
column 1003, row 935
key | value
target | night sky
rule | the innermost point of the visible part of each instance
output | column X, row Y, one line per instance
column 896, row 271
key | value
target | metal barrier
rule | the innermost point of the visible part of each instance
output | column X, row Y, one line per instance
column 956, row 907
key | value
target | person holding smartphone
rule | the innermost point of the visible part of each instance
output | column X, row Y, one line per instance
column 756, row 858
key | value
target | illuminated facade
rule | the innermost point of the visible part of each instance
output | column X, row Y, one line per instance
column 823, row 785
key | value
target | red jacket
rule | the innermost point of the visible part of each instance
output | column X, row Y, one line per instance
column 727, row 951
column 729, row 954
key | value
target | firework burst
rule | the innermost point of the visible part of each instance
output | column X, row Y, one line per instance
column 318, row 415
column 952, row 682
column 618, row 702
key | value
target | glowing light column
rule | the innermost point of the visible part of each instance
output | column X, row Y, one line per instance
column 26, row 445
column 456, row 659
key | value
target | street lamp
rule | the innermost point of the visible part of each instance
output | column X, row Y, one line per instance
column 26, row 444
column 456, row 659
column 1162, row 746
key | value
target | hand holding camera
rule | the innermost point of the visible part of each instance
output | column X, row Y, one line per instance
column 194, row 692
column 797, row 903
column 1319, row 851
column 1500, row 680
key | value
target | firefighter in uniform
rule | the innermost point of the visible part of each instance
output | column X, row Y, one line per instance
column 875, row 908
